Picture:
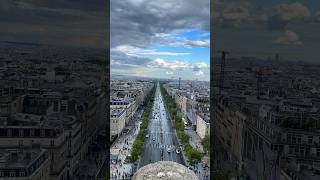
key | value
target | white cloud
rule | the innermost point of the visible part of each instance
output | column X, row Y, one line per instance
column 199, row 73
column 288, row 38
column 135, row 51
column 233, row 14
column 202, row 65
column 174, row 65
column 292, row 11
column 141, row 22
column 170, row 65
column 198, row 43
column 114, row 61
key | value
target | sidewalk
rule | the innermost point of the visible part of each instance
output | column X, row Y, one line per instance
column 194, row 140
column 123, row 170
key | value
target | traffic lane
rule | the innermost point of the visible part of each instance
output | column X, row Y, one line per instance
column 173, row 155
column 150, row 153
column 172, row 138
column 163, row 136
column 168, row 141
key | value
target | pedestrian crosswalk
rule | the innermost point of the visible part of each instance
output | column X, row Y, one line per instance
column 155, row 133
column 160, row 146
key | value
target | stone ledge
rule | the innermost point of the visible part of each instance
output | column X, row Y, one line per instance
column 164, row 170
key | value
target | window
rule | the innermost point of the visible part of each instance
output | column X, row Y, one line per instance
column 301, row 150
column 299, row 139
column 308, row 151
column 42, row 132
column 55, row 106
column 21, row 173
column 291, row 149
column 21, row 132
column 26, row 132
column 15, row 132
column 294, row 140
column 31, row 132
column 63, row 107
column 52, row 143
column 20, row 143
column 3, row 132
column 310, row 139
column 37, row 132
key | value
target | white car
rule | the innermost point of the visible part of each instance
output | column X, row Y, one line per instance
column 177, row 151
column 147, row 135
column 168, row 150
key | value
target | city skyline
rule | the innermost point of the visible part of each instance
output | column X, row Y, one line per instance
column 161, row 40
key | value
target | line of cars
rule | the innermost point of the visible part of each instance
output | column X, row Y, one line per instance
column 169, row 149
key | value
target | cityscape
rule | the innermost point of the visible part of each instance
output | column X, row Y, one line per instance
column 52, row 112
column 265, row 100
column 159, row 90
column 54, row 85
column 267, row 124
column 153, row 120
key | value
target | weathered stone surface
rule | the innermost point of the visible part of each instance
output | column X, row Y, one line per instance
column 164, row 170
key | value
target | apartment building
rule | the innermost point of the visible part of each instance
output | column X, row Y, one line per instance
column 125, row 99
column 28, row 164
column 117, row 121
column 203, row 125
column 258, row 131
column 59, row 135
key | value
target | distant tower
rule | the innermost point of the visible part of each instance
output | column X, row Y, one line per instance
column 222, row 66
column 179, row 82
column 191, row 90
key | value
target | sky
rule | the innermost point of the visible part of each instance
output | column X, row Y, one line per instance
column 161, row 39
column 265, row 28
column 80, row 23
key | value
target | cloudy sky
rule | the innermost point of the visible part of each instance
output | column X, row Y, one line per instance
column 163, row 38
column 59, row 22
column 264, row 28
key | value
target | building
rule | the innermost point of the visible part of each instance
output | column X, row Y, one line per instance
column 125, row 99
column 117, row 121
column 181, row 102
column 203, row 125
column 31, row 164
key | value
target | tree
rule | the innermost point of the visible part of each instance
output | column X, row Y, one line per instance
column 206, row 143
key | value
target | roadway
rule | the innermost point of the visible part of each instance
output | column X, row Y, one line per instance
column 161, row 138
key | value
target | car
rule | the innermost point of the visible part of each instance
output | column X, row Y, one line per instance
column 147, row 135
column 169, row 150
column 153, row 139
column 178, row 151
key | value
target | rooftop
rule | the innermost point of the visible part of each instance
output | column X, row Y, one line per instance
column 13, row 158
